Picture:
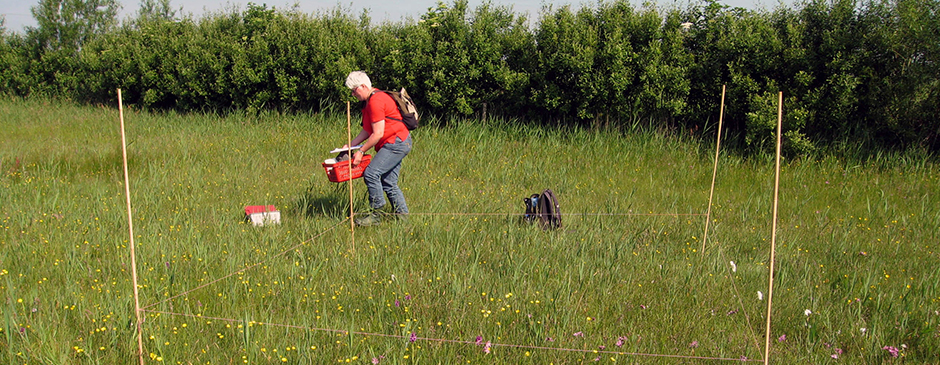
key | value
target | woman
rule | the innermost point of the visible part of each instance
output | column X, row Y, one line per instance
column 383, row 130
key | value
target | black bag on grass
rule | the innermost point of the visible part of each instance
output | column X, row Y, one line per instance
column 543, row 208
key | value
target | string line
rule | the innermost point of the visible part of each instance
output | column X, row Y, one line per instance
column 443, row 340
column 531, row 347
column 429, row 214
column 734, row 287
column 567, row 214
column 247, row 267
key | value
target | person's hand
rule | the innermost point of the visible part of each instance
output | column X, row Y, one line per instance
column 357, row 158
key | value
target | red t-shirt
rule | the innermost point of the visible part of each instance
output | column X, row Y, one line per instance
column 381, row 106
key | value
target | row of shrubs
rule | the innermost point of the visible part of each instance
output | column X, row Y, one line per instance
column 859, row 74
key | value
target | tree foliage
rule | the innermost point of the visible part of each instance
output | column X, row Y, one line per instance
column 68, row 24
column 155, row 11
column 853, row 73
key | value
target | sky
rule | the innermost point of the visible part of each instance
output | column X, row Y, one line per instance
column 17, row 13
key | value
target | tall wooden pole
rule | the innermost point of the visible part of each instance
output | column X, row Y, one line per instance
column 130, row 229
column 352, row 222
column 711, row 194
column 773, row 235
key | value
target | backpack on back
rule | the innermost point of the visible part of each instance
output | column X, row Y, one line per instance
column 407, row 108
column 544, row 208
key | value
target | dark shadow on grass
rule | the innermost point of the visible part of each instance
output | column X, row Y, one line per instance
column 73, row 165
column 333, row 203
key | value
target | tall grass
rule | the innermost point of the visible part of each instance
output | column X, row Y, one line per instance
column 624, row 277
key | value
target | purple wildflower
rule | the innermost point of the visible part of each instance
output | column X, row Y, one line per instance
column 894, row 351
column 579, row 334
column 782, row 338
column 694, row 344
column 414, row 337
column 479, row 340
column 486, row 348
column 619, row 341
column 397, row 303
column 375, row 361
column 408, row 297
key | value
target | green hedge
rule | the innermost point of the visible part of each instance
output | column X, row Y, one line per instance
column 857, row 74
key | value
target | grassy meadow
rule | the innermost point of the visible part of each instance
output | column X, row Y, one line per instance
column 463, row 281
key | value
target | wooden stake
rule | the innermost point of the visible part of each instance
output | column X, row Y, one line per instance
column 130, row 229
column 352, row 223
column 711, row 194
column 773, row 235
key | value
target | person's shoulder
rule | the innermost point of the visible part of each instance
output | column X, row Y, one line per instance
column 383, row 95
column 381, row 99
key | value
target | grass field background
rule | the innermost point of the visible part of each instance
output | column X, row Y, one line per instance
column 462, row 281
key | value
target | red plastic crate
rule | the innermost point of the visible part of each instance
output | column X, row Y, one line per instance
column 339, row 172
column 252, row 209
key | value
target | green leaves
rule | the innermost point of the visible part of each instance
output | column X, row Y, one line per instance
column 68, row 24
column 850, row 71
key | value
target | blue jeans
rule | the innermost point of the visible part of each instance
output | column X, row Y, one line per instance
column 382, row 175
